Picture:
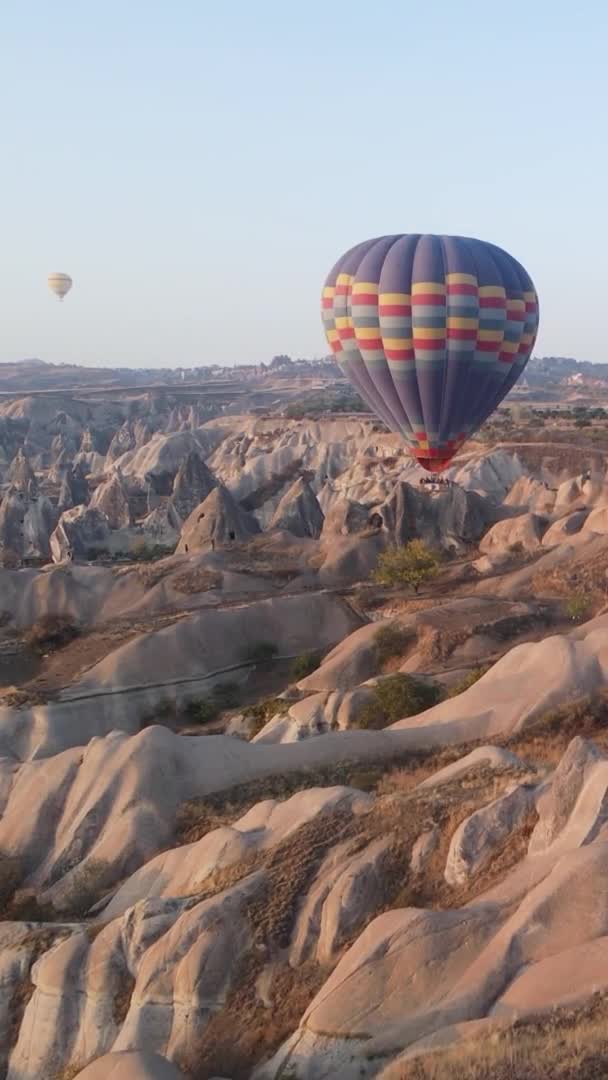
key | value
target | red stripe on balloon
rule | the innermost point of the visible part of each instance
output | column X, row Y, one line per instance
column 492, row 301
column 462, row 335
column 399, row 354
column 395, row 309
column 365, row 298
column 428, row 300
column 462, row 290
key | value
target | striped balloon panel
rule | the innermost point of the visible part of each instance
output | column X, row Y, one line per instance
column 433, row 331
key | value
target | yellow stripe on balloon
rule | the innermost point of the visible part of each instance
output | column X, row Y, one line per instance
column 367, row 333
column 343, row 321
column 461, row 279
column 492, row 290
column 344, row 279
column 430, row 333
column 490, row 335
column 397, row 343
column 455, row 323
column 429, row 287
column 395, row 298
column 364, row 287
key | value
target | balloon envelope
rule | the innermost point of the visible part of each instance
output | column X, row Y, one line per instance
column 433, row 331
column 60, row 284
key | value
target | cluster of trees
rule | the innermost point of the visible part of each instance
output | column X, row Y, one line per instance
column 339, row 399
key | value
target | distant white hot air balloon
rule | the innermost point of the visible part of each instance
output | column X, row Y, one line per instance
column 60, row 284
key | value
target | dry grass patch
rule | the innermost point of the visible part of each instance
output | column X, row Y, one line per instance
column 196, row 580
column 391, row 643
column 246, row 1032
column 51, row 632
column 545, row 740
column 196, row 817
column 150, row 573
column 39, row 942
column 122, row 999
column 564, row 1045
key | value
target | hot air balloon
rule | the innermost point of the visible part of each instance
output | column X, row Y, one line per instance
column 60, row 284
column 433, row 332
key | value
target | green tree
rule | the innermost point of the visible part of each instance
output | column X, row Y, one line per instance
column 412, row 564
column 396, row 697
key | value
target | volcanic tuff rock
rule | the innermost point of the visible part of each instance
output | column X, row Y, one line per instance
column 345, row 517
column 218, row 520
column 450, row 520
column 522, row 533
column 112, row 500
column 74, row 490
column 82, row 532
column 122, row 441
column 299, row 512
column 193, row 483
column 156, row 463
column 26, row 524
column 161, row 527
column 21, row 475
column 131, row 1065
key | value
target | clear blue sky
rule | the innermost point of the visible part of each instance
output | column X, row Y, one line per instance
column 198, row 166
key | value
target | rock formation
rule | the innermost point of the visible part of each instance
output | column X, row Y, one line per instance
column 81, row 533
column 219, row 520
column 299, row 512
column 112, row 500
column 193, row 483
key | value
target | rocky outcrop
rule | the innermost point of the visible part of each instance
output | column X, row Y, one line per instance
column 573, row 809
column 161, row 528
column 453, row 519
column 490, row 474
column 74, row 489
column 21, row 475
column 131, row 1065
column 122, row 441
column 345, row 518
column 565, row 528
column 481, row 835
column 155, row 464
column 194, row 481
column 219, row 520
column 514, row 535
column 26, row 524
column 299, row 512
column 112, row 500
column 81, row 533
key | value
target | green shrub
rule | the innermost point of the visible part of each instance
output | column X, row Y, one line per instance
column 577, row 606
column 469, row 680
column 143, row 552
column 223, row 696
column 305, row 665
column 263, row 652
column 413, row 565
column 391, row 640
column 203, row 711
column 396, row 697
column 226, row 695
column 258, row 715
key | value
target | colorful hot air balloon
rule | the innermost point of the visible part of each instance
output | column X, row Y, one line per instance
column 60, row 284
column 433, row 331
